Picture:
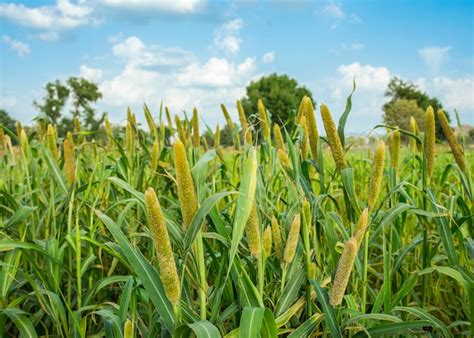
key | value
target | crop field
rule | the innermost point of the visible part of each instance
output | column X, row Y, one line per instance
column 159, row 230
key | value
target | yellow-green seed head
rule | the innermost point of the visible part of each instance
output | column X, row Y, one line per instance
column 395, row 149
column 280, row 143
column 311, row 126
column 159, row 232
column 252, row 230
column 186, row 192
column 453, row 143
column 204, row 143
column 377, row 174
column 267, row 241
column 70, row 138
column 150, row 122
column 333, row 138
column 41, row 127
column 430, row 140
column 168, row 118
column 155, row 154
column 301, row 110
column 276, row 234
column 25, row 147
column 181, row 131
column 305, row 142
column 292, row 240
column 129, row 138
column 128, row 329
column 217, row 137
column 285, row 161
column 19, row 128
column 108, row 130
column 228, row 119
column 9, row 146
column 343, row 272
column 362, row 224
column 68, row 153
column 413, row 130
column 262, row 112
column 196, row 137
column 244, row 123
column 77, row 124
column 51, row 141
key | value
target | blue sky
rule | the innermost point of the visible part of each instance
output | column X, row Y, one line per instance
column 203, row 53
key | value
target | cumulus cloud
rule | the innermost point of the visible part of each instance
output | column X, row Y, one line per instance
column 217, row 72
column 333, row 10
column 335, row 14
column 147, row 6
column 64, row 15
column 90, row 73
column 21, row 48
column 180, row 84
column 268, row 57
column 133, row 50
column 434, row 57
column 367, row 76
column 457, row 93
column 227, row 38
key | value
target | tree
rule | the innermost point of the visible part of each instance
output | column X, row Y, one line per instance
column 399, row 112
column 82, row 94
column 7, row 121
column 281, row 96
column 400, row 89
column 54, row 101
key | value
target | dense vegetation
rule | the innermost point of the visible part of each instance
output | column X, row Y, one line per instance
column 120, row 233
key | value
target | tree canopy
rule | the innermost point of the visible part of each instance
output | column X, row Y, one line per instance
column 399, row 112
column 82, row 95
column 399, row 89
column 6, row 120
column 280, row 94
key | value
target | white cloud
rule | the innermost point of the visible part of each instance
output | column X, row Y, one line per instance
column 217, row 72
column 434, row 57
column 333, row 10
column 227, row 36
column 90, row 73
column 21, row 48
column 367, row 100
column 134, row 51
column 268, row 57
column 455, row 93
column 147, row 6
column 130, row 48
column 64, row 15
column 49, row 20
column 366, row 76
column 153, row 73
column 334, row 13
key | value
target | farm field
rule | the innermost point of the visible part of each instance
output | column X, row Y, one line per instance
column 156, row 231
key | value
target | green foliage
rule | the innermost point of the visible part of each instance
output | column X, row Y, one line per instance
column 281, row 96
column 53, row 101
column 78, row 259
column 398, row 113
column 6, row 120
column 400, row 89
column 82, row 93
